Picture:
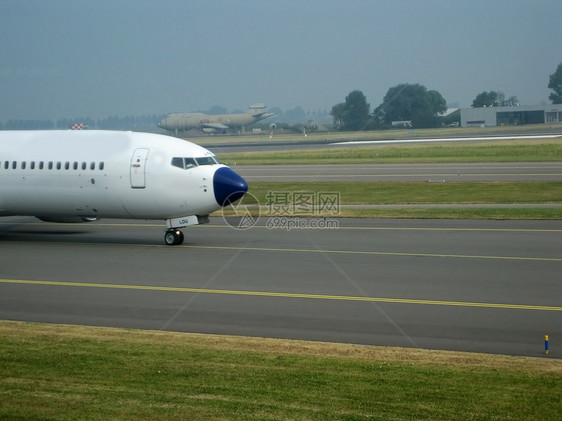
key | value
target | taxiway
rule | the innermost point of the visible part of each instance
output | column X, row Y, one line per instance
column 483, row 286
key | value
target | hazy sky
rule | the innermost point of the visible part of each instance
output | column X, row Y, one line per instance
column 70, row 58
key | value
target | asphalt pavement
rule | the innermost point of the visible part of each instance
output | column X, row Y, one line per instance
column 482, row 286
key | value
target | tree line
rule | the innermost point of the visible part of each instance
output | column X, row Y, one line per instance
column 413, row 105
column 144, row 122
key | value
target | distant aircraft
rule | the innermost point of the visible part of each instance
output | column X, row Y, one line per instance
column 214, row 123
column 80, row 176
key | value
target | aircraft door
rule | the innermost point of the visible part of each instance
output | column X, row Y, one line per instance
column 138, row 163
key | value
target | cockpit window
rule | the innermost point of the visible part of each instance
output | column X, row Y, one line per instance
column 184, row 163
column 189, row 163
column 177, row 162
column 207, row 160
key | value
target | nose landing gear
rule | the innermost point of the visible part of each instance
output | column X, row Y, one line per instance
column 173, row 237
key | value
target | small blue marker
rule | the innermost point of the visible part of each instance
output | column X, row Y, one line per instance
column 546, row 344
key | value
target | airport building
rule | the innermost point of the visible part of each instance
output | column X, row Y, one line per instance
column 511, row 116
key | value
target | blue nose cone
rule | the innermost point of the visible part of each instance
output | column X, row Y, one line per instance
column 228, row 186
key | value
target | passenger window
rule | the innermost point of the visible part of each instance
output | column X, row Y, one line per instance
column 59, row 165
column 92, row 166
column 6, row 165
column 40, row 165
column 50, row 165
column 75, row 165
column 32, row 165
column 23, row 165
column 101, row 165
column 66, row 165
column 14, row 165
column 84, row 165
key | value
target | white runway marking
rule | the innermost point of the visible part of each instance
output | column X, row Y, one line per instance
column 447, row 139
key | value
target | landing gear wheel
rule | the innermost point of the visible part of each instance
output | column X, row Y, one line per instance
column 173, row 237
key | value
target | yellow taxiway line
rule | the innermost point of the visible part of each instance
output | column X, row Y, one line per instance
column 282, row 295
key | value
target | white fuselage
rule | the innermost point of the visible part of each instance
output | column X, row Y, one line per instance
column 67, row 175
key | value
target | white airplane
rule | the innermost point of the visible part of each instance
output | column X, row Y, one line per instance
column 80, row 176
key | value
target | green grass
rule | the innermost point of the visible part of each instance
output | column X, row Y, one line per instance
column 66, row 372
column 487, row 151
column 365, row 192
column 424, row 193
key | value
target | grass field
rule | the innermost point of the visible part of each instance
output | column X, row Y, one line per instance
column 363, row 194
column 359, row 192
column 483, row 151
column 72, row 372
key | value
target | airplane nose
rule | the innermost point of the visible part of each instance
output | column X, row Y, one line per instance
column 228, row 186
